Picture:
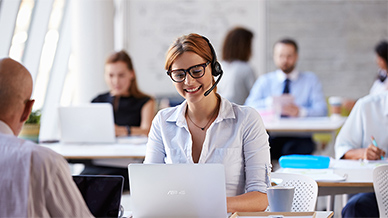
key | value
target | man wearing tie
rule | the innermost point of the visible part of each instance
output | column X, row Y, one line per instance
column 299, row 94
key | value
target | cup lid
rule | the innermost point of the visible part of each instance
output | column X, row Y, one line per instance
column 335, row 100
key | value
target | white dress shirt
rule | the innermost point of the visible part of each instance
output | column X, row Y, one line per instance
column 35, row 181
column 305, row 87
column 237, row 139
column 379, row 87
column 369, row 117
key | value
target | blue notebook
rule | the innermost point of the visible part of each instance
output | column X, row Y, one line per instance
column 304, row 161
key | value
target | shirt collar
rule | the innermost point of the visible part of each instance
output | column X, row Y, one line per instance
column 226, row 112
column 292, row 76
column 5, row 129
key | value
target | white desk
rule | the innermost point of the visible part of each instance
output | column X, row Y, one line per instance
column 295, row 126
column 319, row 214
column 131, row 147
column 304, row 124
column 358, row 178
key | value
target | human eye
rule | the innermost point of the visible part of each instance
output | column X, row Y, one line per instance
column 178, row 75
column 196, row 71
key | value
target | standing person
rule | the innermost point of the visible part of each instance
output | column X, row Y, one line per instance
column 35, row 181
column 368, row 118
column 381, row 83
column 239, row 76
column 207, row 128
column 301, row 93
column 133, row 110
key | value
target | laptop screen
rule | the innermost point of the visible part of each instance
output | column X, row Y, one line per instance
column 102, row 194
column 89, row 123
column 177, row 190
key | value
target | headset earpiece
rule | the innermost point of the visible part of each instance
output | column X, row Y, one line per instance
column 215, row 65
column 216, row 70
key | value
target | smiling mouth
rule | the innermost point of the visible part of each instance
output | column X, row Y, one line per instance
column 193, row 89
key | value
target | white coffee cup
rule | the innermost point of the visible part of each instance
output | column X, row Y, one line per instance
column 280, row 198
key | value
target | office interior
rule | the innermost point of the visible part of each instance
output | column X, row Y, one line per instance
column 64, row 43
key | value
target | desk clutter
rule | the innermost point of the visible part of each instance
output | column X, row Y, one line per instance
column 326, row 169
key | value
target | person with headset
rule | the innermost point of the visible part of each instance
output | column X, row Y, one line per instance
column 207, row 128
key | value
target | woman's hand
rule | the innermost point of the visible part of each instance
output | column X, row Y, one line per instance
column 373, row 153
column 121, row 130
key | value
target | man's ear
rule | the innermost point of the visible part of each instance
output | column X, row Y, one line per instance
column 27, row 110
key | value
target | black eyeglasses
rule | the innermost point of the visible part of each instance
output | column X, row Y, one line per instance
column 196, row 72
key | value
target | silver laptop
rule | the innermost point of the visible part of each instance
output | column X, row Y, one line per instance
column 90, row 123
column 177, row 190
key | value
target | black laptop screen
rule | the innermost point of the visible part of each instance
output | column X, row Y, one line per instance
column 102, row 194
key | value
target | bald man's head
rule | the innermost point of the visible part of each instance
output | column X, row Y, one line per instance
column 15, row 89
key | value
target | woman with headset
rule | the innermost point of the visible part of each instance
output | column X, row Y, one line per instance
column 207, row 128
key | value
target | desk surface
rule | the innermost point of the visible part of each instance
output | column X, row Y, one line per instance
column 358, row 176
column 305, row 124
column 130, row 147
column 319, row 214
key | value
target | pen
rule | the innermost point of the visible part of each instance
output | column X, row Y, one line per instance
column 375, row 144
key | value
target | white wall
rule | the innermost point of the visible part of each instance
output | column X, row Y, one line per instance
column 153, row 25
column 336, row 39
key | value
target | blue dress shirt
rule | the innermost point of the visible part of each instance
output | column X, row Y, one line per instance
column 237, row 139
column 305, row 87
column 369, row 117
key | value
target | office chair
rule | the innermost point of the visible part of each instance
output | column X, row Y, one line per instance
column 380, row 185
column 306, row 190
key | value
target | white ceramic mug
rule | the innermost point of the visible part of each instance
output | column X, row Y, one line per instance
column 280, row 198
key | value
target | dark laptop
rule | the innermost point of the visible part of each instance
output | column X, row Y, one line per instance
column 102, row 194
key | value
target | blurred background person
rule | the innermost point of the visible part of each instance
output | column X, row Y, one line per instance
column 381, row 83
column 364, row 137
column 298, row 93
column 239, row 76
column 133, row 110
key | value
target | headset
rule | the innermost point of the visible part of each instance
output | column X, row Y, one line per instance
column 215, row 65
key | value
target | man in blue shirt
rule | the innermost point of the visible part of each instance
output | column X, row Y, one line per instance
column 292, row 93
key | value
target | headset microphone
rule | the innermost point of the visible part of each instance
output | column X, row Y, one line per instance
column 213, row 86
column 216, row 67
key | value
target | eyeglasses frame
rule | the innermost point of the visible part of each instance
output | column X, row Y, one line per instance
column 204, row 65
